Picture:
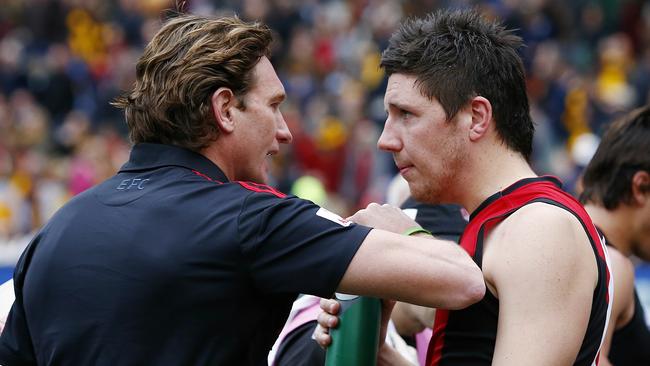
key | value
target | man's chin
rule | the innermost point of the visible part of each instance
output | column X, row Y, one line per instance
column 425, row 196
column 420, row 196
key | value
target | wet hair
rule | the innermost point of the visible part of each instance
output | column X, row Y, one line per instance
column 457, row 55
column 179, row 70
column 623, row 151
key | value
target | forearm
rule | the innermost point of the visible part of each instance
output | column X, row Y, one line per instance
column 423, row 271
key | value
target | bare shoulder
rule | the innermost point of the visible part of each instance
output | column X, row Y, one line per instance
column 541, row 224
column 543, row 214
column 538, row 239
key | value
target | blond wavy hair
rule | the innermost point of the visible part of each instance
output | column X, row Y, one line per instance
column 185, row 62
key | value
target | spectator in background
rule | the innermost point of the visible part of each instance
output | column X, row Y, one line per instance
column 616, row 193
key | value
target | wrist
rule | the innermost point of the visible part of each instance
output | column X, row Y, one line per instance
column 416, row 230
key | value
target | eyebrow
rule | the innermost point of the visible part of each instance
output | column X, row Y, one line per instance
column 279, row 97
column 398, row 105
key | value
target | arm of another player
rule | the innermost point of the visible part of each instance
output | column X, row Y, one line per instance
column 623, row 303
column 541, row 266
column 411, row 319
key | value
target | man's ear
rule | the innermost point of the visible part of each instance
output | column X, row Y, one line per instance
column 641, row 187
column 481, row 111
column 223, row 101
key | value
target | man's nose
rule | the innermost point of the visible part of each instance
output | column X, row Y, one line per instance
column 388, row 140
column 283, row 134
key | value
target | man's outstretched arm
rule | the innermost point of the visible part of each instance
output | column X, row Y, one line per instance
column 420, row 270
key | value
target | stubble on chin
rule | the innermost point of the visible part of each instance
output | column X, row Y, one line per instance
column 426, row 193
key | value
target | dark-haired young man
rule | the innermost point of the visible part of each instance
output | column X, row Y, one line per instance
column 616, row 193
column 460, row 131
column 185, row 256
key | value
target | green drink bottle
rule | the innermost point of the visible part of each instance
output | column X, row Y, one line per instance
column 355, row 340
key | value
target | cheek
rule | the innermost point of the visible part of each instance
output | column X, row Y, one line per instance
column 269, row 122
column 431, row 151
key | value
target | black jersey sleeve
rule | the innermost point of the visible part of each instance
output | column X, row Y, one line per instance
column 293, row 245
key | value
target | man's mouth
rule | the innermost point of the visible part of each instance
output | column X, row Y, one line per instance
column 403, row 168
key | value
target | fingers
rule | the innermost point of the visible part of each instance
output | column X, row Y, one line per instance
column 326, row 320
column 322, row 337
column 330, row 306
column 372, row 207
column 385, row 217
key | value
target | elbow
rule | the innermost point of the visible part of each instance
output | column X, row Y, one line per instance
column 475, row 290
column 471, row 288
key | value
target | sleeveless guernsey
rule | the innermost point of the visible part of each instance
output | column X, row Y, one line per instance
column 467, row 337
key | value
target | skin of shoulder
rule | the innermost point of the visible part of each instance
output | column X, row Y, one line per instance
column 623, row 304
column 541, row 266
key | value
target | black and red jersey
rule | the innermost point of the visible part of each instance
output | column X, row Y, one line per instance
column 467, row 337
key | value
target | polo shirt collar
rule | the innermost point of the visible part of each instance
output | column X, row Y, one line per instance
column 145, row 156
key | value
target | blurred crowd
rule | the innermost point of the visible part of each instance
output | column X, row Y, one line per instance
column 63, row 61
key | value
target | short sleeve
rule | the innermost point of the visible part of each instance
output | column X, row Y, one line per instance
column 294, row 246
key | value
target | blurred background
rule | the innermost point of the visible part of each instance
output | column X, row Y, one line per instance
column 63, row 61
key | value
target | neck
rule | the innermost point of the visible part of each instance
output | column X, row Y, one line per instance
column 214, row 153
column 490, row 173
column 615, row 224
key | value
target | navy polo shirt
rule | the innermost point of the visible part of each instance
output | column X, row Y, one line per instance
column 169, row 263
